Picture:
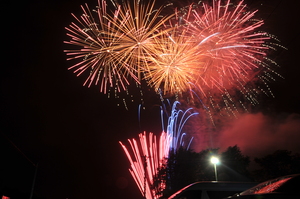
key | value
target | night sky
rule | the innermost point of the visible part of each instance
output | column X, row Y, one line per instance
column 72, row 132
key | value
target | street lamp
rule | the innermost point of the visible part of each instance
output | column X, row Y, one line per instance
column 215, row 161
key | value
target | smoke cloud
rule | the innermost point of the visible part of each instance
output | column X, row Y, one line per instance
column 256, row 135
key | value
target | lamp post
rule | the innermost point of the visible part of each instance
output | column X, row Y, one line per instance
column 215, row 161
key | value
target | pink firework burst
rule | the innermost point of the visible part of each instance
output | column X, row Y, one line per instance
column 231, row 54
column 234, row 50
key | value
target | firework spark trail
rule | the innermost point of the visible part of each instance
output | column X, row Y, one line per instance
column 146, row 159
column 176, row 122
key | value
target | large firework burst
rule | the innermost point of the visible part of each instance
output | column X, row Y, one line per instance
column 213, row 50
column 110, row 46
column 231, row 53
column 236, row 50
column 224, row 47
column 95, row 39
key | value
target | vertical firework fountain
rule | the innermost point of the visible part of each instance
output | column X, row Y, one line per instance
column 146, row 157
column 149, row 154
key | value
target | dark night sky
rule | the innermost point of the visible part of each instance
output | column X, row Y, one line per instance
column 48, row 117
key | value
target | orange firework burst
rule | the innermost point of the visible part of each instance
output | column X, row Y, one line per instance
column 173, row 65
column 95, row 40
column 112, row 45
column 137, row 25
column 211, row 49
column 221, row 53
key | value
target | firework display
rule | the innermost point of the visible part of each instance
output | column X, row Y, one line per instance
column 212, row 51
column 208, row 48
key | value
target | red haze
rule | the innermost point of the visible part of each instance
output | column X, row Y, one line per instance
column 257, row 134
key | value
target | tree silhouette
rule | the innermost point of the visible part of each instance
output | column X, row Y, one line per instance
column 234, row 165
column 279, row 163
column 184, row 167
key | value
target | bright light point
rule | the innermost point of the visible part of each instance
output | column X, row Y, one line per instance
column 214, row 160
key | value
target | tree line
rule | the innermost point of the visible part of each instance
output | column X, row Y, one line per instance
column 184, row 167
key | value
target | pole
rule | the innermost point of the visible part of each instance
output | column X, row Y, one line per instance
column 33, row 182
column 216, row 174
